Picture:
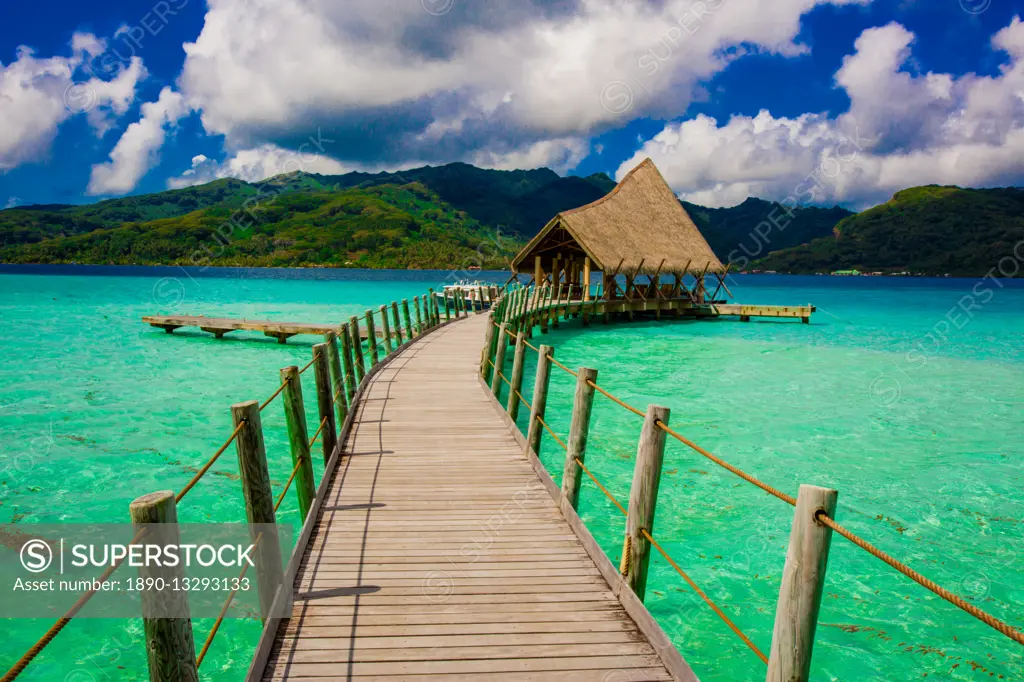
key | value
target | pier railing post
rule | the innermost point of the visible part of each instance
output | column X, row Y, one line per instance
column 447, row 307
column 371, row 339
column 324, row 403
column 803, row 582
column 298, row 437
column 499, row 364
column 540, row 397
column 357, row 347
column 558, row 303
column 170, row 645
column 259, row 501
column 643, row 496
column 337, row 377
column 398, row 323
column 512, row 407
column 488, row 350
column 350, row 365
column 579, row 430
column 386, row 328
column 542, row 310
column 419, row 317
column 408, row 321
column 430, row 305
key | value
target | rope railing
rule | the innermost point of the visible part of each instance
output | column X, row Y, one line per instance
column 822, row 517
column 323, row 422
column 553, row 434
column 606, row 492
column 608, row 395
column 707, row 600
column 721, row 614
column 722, row 463
column 284, row 385
column 986, row 618
column 309, row 364
column 61, row 623
column 209, row 463
column 556, row 363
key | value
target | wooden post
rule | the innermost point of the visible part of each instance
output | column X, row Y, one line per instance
column 408, row 321
column 643, row 496
column 324, row 403
column 357, row 347
column 298, row 437
column 371, row 339
column 543, row 310
column 419, row 317
column 540, row 397
column 489, row 344
column 386, row 330
column 586, row 291
column 338, row 386
column 447, row 308
column 259, row 500
column 558, row 303
column 803, row 581
column 398, row 323
column 480, row 295
column 429, row 309
column 499, row 364
column 579, row 430
column 350, row 369
column 512, row 407
column 170, row 645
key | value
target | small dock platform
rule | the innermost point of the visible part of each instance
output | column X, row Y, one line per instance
column 219, row 326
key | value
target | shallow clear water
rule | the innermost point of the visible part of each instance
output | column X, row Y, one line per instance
column 918, row 427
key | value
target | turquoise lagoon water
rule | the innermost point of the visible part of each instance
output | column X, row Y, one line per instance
column 906, row 404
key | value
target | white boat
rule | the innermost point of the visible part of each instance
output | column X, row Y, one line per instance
column 478, row 294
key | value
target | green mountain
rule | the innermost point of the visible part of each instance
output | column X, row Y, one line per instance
column 383, row 226
column 932, row 230
column 423, row 217
column 739, row 234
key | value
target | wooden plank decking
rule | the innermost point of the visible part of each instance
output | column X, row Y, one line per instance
column 440, row 554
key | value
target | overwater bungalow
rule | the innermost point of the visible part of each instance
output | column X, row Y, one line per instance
column 639, row 229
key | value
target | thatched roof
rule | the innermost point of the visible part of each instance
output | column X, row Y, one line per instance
column 640, row 223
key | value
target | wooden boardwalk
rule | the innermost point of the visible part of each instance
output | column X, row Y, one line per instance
column 439, row 552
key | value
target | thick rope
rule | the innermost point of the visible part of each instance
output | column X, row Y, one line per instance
column 991, row 621
column 722, row 463
column 523, row 401
column 223, row 611
column 602, row 488
column 209, row 463
column 276, row 393
column 706, row 598
column 316, row 356
column 558, row 364
column 614, row 399
column 280, row 498
column 316, row 435
column 56, row 628
column 553, row 434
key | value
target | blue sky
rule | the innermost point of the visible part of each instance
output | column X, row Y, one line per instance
column 819, row 102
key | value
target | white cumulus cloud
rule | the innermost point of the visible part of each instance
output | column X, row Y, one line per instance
column 38, row 94
column 902, row 129
column 491, row 81
column 259, row 163
column 138, row 149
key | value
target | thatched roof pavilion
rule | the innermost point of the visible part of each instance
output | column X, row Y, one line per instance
column 639, row 228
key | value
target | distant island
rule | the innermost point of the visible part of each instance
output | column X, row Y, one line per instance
column 461, row 216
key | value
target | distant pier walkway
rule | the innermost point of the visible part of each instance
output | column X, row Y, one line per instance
column 440, row 554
